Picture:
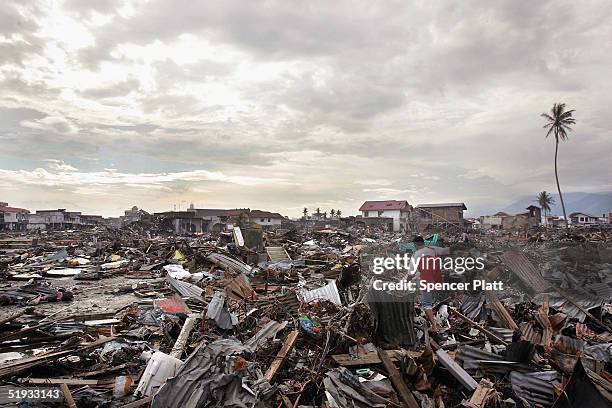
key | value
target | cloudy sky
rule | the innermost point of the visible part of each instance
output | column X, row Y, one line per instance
column 281, row 105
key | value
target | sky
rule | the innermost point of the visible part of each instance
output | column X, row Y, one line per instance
column 281, row 105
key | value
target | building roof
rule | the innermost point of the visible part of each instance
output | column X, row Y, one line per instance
column 581, row 213
column 14, row 210
column 441, row 205
column 210, row 212
column 178, row 214
column 384, row 205
column 46, row 211
column 264, row 214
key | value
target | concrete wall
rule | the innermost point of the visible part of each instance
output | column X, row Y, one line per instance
column 399, row 217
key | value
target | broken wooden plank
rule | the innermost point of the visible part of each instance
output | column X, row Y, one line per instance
column 181, row 341
column 68, row 396
column 456, row 370
column 29, row 362
column 472, row 323
column 542, row 319
column 501, row 311
column 138, row 403
column 483, row 392
column 364, row 359
column 15, row 316
column 396, row 378
column 281, row 356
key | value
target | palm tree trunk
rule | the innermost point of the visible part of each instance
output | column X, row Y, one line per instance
column 558, row 186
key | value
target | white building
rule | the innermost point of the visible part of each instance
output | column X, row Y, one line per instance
column 266, row 218
column 578, row 218
column 397, row 210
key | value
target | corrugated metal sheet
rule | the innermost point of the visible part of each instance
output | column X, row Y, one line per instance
column 231, row 263
column 475, row 361
column 266, row 332
column 289, row 301
column 524, row 269
column 537, row 388
column 173, row 305
column 563, row 305
column 505, row 334
column 600, row 289
column 184, row 288
column 472, row 306
column 529, row 333
column 394, row 317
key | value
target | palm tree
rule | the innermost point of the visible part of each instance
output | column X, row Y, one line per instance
column 338, row 213
column 332, row 213
column 305, row 212
column 558, row 123
column 545, row 200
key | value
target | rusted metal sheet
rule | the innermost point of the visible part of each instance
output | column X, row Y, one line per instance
column 526, row 272
column 173, row 305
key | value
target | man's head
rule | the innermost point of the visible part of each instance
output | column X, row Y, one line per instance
column 418, row 241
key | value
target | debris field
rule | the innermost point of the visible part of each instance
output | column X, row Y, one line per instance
column 139, row 317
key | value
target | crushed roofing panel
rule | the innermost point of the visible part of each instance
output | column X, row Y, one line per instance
column 522, row 267
column 537, row 388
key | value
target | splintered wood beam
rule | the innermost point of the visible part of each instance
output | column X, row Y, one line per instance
column 472, row 323
column 482, row 393
column 501, row 311
column 396, row 378
column 68, row 396
column 542, row 319
column 279, row 360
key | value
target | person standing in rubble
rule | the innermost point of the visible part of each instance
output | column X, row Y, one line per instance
column 429, row 269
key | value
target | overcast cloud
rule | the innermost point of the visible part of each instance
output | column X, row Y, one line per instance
column 281, row 105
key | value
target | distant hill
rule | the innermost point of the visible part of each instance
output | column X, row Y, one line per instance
column 590, row 203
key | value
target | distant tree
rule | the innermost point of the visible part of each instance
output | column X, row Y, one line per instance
column 318, row 212
column 338, row 213
column 558, row 123
column 332, row 213
column 325, row 215
column 545, row 200
column 305, row 212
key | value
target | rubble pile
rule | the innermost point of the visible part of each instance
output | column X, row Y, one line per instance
column 138, row 317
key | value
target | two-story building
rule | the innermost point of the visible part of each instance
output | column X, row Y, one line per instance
column 397, row 211
column 441, row 215
column 12, row 218
column 266, row 218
